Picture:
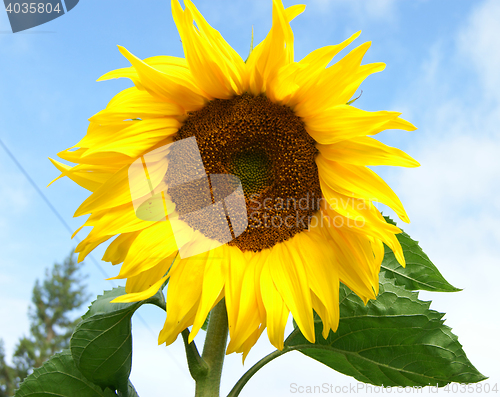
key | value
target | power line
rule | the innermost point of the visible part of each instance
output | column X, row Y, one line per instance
column 68, row 228
column 52, row 208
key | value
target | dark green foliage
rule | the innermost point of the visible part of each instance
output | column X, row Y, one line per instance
column 7, row 375
column 52, row 320
column 420, row 273
column 102, row 343
column 395, row 340
column 100, row 358
column 60, row 377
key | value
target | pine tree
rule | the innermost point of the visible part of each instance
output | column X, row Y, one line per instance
column 7, row 375
column 52, row 319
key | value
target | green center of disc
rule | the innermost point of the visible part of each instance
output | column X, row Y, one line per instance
column 252, row 167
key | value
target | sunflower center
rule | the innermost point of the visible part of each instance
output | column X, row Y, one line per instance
column 267, row 147
column 252, row 167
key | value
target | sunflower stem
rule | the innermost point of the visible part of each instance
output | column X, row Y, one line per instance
column 198, row 368
column 236, row 390
column 214, row 352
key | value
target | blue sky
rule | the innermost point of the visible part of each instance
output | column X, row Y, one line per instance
column 442, row 73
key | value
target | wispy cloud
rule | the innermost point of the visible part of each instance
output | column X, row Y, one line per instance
column 453, row 197
column 478, row 43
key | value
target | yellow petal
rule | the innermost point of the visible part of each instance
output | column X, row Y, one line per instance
column 176, row 86
column 135, row 104
column 360, row 216
column 344, row 122
column 132, row 139
column 106, row 160
column 183, row 295
column 366, row 151
column 359, row 182
column 142, row 295
column 150, row 247
column 128, row 73
column 121, row 219
column 89, row 177
column 162, row 63
column 356, row 79
column 216, row 67
column 276, row 310
column 116, row 191
column 250, row 342
column 146, row 279
column 323, row 314
column 290, row 279
column 275, row 51
column 251, row 313
column 320, row 266
column 117, row 251
column 234, row 278
column 86, row 246
column 306, row 77
column 353, row 268
column 214, row 278
column 319, row 59
column 333, row 83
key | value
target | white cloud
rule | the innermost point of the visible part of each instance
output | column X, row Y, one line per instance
column 452, row 198
column 458, row 143
column 478, row 44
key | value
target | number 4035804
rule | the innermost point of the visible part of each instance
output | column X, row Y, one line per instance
column 33, row 8
column 477, row 388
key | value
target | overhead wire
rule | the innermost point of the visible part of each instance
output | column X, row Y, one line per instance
column 68, row 228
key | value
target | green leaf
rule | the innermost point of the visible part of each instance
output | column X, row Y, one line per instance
column 59, row 376
column 102, row 343
column 420, row 273
column 103, row 304
column 131, row 392
column 395, row 340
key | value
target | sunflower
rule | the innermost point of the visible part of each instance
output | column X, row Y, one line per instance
column 299, row 150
